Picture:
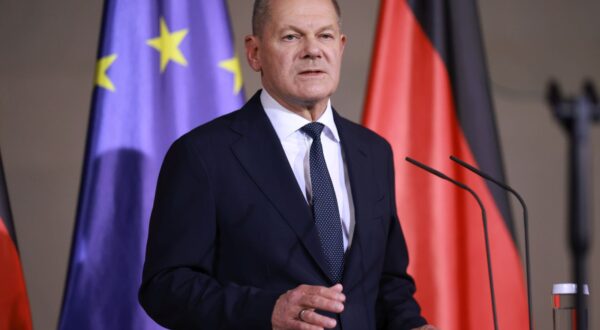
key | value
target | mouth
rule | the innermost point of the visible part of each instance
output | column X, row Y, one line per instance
column 311, row 73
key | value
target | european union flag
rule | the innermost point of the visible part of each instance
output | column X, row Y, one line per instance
column 163, row 68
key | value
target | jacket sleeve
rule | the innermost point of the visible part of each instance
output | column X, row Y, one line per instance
column 179, row 289
column 397, row 308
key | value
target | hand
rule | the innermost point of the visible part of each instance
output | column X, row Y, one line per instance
column 426, row 327
column 295, row 309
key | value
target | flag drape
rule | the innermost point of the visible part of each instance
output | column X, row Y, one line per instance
column 14, row 304
column 163, row 67
column 428, row 96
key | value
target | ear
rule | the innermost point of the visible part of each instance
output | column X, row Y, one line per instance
column 252, row 44
column 343, row 40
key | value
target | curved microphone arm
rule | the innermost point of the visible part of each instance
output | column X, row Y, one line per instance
column 485, row 226
column 525, row 224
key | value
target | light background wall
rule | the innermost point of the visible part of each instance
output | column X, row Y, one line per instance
column 47, row 58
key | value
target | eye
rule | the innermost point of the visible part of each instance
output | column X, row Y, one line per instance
column 290, row 37
column 327, row 36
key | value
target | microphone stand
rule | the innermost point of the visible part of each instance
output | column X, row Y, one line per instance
column 576, row 116
column 525, row 226
column 485, row 227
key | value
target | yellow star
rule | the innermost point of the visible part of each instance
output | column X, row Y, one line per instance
column 102, row 66
column 167, row 44
column 233, row 65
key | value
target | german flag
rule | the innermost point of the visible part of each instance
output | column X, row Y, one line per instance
column 428, row 96
column 14, row 304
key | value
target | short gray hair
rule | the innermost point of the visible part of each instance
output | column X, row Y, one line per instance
column 260, row 14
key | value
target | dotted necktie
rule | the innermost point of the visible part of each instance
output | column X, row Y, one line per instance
column 324, row 205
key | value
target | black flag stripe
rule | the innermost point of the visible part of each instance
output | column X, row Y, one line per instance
column 453, row 28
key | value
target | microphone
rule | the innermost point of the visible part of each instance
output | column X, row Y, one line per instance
column 485, row 226
column 525, row 224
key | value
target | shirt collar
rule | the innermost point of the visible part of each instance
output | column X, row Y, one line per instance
column 287, row 122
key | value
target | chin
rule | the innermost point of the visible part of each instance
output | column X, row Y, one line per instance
column 315, row 93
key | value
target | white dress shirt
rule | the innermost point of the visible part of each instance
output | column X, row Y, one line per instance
column 296, row 145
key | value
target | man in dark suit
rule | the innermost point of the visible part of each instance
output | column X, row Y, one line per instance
column 281, row 215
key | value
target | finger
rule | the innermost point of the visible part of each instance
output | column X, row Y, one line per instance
column 314, row 318
column 316, row 301
column 338, row 287
column 333, row 293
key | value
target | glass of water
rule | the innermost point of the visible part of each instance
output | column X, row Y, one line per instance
column 564, row 300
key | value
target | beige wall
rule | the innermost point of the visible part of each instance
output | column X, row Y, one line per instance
column 47, row 60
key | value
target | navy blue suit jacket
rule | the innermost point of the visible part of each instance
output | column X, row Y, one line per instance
column 231, row 231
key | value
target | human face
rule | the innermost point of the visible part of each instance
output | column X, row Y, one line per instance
column 299, row 53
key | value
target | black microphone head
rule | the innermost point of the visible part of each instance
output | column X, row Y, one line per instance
column 427, row 168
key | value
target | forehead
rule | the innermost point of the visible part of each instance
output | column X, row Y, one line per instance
column 309, row 13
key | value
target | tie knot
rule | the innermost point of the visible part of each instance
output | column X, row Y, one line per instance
column 313, row 130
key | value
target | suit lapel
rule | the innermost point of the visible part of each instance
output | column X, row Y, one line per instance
column 261, row 154
column 363, row 191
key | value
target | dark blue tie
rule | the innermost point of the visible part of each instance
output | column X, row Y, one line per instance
column 324, row 205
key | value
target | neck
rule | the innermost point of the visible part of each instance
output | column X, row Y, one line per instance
column 311, row 110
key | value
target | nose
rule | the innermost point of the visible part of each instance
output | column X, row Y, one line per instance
column 312, row 48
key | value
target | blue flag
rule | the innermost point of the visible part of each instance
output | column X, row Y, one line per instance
column 163, row 68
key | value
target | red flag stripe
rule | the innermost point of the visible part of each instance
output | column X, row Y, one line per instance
column 410, row 103
column 14, row 305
